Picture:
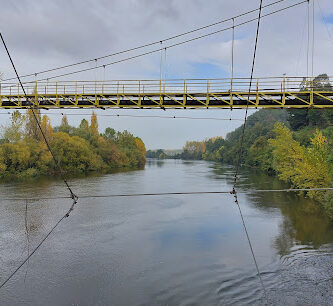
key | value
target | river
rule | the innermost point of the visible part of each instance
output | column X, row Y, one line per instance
column 165, row 250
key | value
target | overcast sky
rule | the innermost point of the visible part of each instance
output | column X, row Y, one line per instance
column 45, row 34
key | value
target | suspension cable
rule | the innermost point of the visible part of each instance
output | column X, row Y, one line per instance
column 146, row 45
column 313, row 37
column 166, row 193
column 172, row 45
column 232, row 48
column 72, row 195
column 240, row 157
column 308, row 44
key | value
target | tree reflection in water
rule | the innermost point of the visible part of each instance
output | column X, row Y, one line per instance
column 304, row 220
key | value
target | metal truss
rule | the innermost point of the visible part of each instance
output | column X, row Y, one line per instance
column 192, row 93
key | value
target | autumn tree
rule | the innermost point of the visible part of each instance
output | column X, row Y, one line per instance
column 93, row 125
column 194, row 150
column 142, row 150
column 47, row 129
column 302, row 167
column 79, row 150
column 31, row 126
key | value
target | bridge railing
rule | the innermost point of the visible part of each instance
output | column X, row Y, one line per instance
column 171, row 86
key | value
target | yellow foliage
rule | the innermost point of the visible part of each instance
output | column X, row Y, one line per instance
column 47, row 129
column 287, row 152
column 93, row 124
column 141, row 146
column 31, row 125
column 302, row 167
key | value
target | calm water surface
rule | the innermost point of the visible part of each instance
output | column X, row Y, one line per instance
column 165, row 250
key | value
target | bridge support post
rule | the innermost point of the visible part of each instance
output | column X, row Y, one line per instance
column 311, row 92
column 18, row 95
column 207, row 96
column 118, row 97
column 160, row 92
column 139, row 98
column 57, row 98
column 231, row 101
column 36, row 94
column 185, row 92
column 283, row 88
column 95, row 94
column 76, row 96
column 257, row 94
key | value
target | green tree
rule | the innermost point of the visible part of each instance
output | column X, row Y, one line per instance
column 64, row 125
column 300, row 118
column 14, row 132
column 110, row 134
column 75, row 154
column 83, row 130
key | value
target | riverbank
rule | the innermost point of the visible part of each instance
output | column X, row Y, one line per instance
column 81, row 150
column 296, row 146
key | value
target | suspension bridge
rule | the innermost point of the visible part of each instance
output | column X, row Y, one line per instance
column 273, row 92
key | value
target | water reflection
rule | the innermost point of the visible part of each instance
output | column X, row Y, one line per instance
column 152, row 162
column 304, row 220
column 165, row 250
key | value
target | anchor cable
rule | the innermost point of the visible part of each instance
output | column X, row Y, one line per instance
column 72, row 195
column 234, row 192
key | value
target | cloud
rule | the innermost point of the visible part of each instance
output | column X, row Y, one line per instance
column 44, row 34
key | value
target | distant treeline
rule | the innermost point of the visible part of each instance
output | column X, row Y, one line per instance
column 163, row 154
column 82, row 149
column 296, row 145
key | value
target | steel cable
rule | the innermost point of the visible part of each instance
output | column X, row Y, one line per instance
column 145, row 45
column 72, row 195
column 240, row 157
column 170, row 46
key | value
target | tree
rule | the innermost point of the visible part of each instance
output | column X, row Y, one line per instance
column 314, row 172
column 194, row 150
column 77, row 150
column 142, row 151
column 32, row 129
column 110, row 134
column 302, row 167
column 83, row 130
column 299, row 118
column 74, row 154
column 14, row 132
column 64, row 125
column 287, row 153
column 93, row 125
column 110, row 153
column 47, row 129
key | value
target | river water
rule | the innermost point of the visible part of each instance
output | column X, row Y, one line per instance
column 165, row 250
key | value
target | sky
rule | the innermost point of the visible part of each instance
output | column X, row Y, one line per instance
column 46, row 34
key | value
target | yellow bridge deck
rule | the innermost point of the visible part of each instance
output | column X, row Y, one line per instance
column 194, row 93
